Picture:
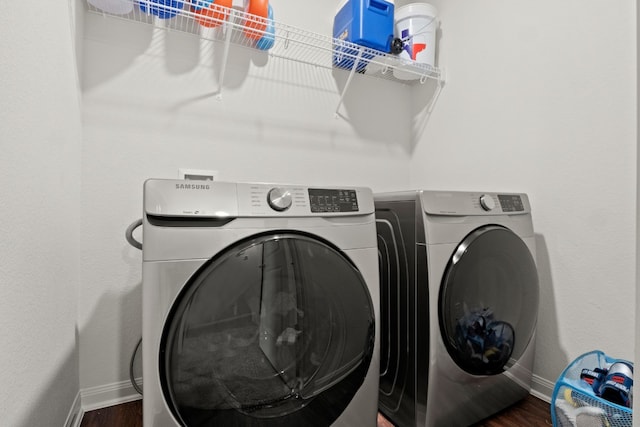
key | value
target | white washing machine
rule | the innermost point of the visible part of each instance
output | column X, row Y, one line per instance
column 459, row 302
column 260, row 305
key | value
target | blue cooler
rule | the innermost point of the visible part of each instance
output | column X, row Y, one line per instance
column 366, row 23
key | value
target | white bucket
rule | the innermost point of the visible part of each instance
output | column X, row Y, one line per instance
column 416, row 25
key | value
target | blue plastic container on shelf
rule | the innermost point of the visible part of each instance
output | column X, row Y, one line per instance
column 267, row 41
column 576, row 399
column 163, row 9
column 367, row 23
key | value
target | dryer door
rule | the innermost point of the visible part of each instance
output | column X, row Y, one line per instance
column 489, row 301
column 276, row 330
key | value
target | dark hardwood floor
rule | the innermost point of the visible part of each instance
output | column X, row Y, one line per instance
column 125, row 415
column 529, row 412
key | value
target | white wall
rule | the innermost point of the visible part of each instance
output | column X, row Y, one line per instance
column 541, row 98
column 40, row 211
column 149, row 108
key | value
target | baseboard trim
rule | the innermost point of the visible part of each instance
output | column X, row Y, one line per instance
column 108, row 395
column 542, row 388
column 75, row 413
column 103, row 396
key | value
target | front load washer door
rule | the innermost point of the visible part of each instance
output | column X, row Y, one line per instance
column 276, row 330
column 489, row 301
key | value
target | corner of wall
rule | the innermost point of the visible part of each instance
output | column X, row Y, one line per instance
column 74, row 418
column 108, row 395
column 542, row 388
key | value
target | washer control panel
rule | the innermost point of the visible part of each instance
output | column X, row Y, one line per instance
column 332, row 200
column 321, row 200
column 263, row 199
column 215, row 199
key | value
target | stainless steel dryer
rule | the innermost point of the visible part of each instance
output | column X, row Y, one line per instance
column 459, row 303
column 260, row 305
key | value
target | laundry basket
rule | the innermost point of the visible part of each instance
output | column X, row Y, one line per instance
column 574, row 401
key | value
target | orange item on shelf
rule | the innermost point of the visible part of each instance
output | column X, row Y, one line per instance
column 215, row 14
column 254, row 26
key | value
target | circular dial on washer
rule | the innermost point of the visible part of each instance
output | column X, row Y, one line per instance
column 279, row 199
column 487, row 202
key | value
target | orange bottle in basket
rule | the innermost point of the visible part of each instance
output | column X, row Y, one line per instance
column 214, row 14
column 254, row 26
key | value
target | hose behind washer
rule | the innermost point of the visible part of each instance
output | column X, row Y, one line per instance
column 129, row 234
column 136, row 244
column 132, row 378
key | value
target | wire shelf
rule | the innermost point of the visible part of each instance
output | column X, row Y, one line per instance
column 215, row 22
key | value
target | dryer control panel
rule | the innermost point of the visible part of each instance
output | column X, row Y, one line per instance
column 463, row 203
column 511, row 202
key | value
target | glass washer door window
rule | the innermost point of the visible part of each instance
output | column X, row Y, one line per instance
column 489, row 301
column 276, row 330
